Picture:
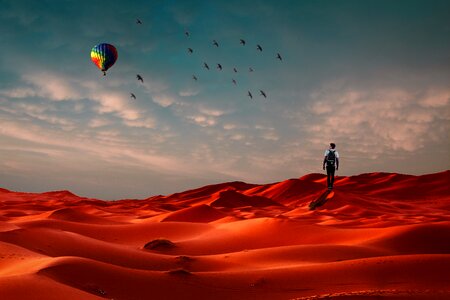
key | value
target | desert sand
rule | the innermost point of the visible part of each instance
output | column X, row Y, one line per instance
column 377, row 236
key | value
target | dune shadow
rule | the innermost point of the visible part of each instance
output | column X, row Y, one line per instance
column 159, row 244
column 179, row 272
column 321, row 200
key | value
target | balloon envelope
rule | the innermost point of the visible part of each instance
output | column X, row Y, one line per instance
column 104, row 56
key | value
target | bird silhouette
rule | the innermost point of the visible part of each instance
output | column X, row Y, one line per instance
column 242, row 42
column 206, row 66
column 138, row 22
column 261, row 92
column 190, row 50
column 219, row 66
column 139, row 77
column 186, row 33
column 279, row 56
column 259, row 47
column 234, row 81
column 194, row 77
column 250, row 69
column 132, row 96
column 235, row 70
column 250, row 95
column 215, row 43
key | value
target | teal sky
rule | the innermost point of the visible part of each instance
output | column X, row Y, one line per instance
column 371, row 76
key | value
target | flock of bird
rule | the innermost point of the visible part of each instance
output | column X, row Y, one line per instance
column 219, row 66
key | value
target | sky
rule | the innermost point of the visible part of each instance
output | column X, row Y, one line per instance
column 371, row 76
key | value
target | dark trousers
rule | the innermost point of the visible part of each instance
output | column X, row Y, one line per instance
column 330, row 175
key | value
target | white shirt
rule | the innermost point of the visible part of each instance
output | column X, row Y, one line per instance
column 335, row 152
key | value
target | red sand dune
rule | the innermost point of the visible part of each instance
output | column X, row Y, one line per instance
column 376, row 236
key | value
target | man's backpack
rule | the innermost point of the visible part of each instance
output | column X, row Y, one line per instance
column 331, row 158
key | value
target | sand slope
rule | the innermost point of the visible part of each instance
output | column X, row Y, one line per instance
column 377, row 236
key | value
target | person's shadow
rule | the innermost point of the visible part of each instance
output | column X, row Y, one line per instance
column 322, row 199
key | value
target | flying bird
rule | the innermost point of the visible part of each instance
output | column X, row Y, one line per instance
column 261, row 92
column 194, row 77
column 139, row 77
column 190, row 50
column 242, row 42
column 259, row 47
column 132, row 96
column 250, row 95
column 279, row 56
column 234, row 81
column 219, row 66
column 138, row 22
column 250, row 69
column 186, row 33
column 215, row 43
column 206, row 66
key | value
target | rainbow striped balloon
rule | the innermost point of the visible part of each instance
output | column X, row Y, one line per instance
column 104, row 56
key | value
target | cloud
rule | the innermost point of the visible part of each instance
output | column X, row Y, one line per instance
column 202, row 120
column 99, row 122
column 229, row 126
column 109, row 146
column 435, row 98
column 237, row 137
column 110, row 98
column 189, row 92
column 38, row 111
column 117, row 103
column 212, row 112
column 202, row 114
column 267, row 132
column 379, row 119
column 22, row 92
column 56, row 103
column 272, row 136
column 143, row 123
column 164, row 100
column 52, row 86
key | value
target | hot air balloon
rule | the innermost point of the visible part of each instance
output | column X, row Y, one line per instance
column 104, row 56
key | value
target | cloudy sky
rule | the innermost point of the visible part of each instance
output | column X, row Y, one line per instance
column 371, row 76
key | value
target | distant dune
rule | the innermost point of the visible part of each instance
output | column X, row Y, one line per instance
column 376, row 236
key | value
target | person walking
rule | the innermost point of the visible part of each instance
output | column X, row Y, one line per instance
column 331, row 162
